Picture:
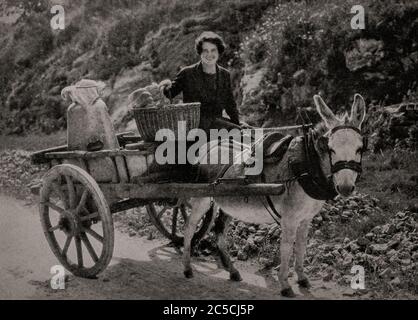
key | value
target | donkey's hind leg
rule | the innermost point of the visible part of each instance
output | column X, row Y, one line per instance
column 289, row 227
column 220, row 228
column 199, row 207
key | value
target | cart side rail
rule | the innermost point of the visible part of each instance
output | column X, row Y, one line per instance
column 43, row 157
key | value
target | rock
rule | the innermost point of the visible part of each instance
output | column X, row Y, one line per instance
column 376, row 230
column 348, row 260
column 299, row 75
column 354, row 247
column 405, row 262
column 363, row 242
column 369, row 236
column 349, row 292
column 391, row 253
column 328, row 276
column 388, row 273
column 336, row 253
column 242, row 256
column 261, row 233
column 273, row 229
column 379, row 248
column 396, row 281
column 404, row 255
column 415, row 256
column 400, row 214
column 345, row 216
column 318, row 219
column 266, row 263
column 258, row 239
column 251, row 229
column 393, row 244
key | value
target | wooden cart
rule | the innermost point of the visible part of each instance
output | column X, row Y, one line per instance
column 77, row 203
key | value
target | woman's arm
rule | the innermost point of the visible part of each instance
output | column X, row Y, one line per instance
column 230, row 106
column 177, row 85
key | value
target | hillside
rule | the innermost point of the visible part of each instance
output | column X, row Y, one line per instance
column 279, row 52
column 126, row 44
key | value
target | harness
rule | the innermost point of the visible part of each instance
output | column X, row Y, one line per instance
column 307, row 170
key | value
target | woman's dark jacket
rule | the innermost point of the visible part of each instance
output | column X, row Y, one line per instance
column 191, row 81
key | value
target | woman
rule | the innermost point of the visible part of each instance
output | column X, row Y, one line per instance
column 208, row 83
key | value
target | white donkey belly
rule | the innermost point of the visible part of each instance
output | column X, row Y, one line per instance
column 250, row 210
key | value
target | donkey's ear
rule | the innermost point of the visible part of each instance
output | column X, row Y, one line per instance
column 326, row 113
column 358, row 111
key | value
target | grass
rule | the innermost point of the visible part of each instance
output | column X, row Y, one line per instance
column 391, row 177
column 33, row 142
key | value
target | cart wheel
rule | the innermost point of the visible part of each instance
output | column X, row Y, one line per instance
column 72, row 207
column 171, row 224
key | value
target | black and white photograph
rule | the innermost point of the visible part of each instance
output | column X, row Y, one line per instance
column 209, row 151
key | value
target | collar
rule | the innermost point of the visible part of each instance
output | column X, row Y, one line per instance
column 309, row 173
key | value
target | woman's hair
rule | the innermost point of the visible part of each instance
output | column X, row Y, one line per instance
column 212, row 37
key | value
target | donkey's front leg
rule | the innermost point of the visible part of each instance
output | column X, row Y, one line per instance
column 288, row 237
column 199, row 207
column 300, row 250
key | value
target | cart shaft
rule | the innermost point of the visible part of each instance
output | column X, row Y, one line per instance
column 179, row 190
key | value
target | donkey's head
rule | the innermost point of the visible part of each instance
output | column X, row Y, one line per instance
column 344, row 143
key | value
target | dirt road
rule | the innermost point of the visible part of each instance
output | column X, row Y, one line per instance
column 140, row 269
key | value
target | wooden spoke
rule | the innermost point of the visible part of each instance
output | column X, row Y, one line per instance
column 94, row 234
column 90, row 216
column 79, row 251
column 52, row 229
column 54, row 206
column 174, row 221
column 66, row 245
column 184, row 213
column 82, row 201
column 160, row 214
column 71, row 191
column 89, row 247
column 57, row 188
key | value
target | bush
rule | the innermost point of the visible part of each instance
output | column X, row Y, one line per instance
column 380, row 62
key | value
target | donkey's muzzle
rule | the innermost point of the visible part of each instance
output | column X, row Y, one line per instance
column 345, row 190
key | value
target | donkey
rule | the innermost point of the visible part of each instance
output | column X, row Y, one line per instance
column 336, row 144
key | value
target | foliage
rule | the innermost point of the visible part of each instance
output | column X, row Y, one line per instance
column 380, row 61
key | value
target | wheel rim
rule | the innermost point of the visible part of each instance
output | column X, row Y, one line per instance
column 170, row 221
column 76, row 220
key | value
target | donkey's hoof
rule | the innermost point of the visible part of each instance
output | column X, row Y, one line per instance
column 288, row 293
column 235, row 276
column 304, row 283
column 188, row 273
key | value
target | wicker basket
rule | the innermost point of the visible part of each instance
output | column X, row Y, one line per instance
column 150, row 120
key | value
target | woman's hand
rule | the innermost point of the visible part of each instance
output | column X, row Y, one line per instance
column 165, row 84
column 245, row 125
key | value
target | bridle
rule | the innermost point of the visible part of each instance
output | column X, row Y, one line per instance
column 351, row 164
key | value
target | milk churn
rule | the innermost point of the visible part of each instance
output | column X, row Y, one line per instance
column 90, row 128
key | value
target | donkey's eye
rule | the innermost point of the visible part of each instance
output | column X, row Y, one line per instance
column 332, row 151
column 358, row 151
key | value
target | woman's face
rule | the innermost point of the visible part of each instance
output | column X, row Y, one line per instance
column 209, row 53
